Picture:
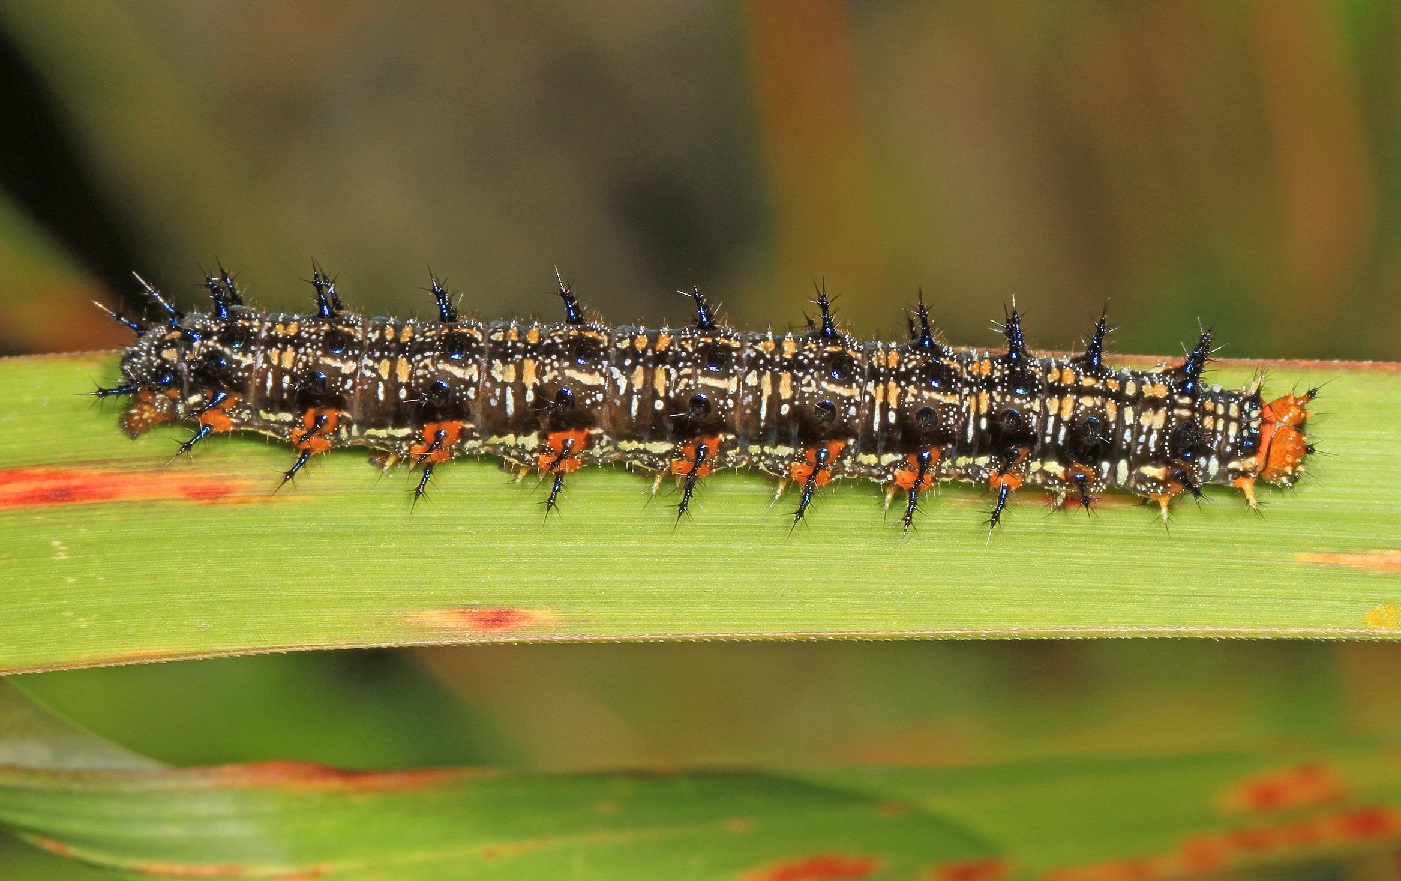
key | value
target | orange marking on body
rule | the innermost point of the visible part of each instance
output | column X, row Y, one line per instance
column 908, row 474
column 990, row 869
column 822, row 867
column 1303, row 786
column 144, row 412
column 562, row 451
column 431, row 450
column 217, row 417
column 1008, row 477
column 316, row 425
column 1011, row 481
column 40, row 487
column 690, row 452
column 1084, row 471
column 799, row 472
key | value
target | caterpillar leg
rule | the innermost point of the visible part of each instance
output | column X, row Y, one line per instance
column 914, row 477
column 437, row 443
column 213, row 416
column 311, row 437
column 812, row 470
column 559, row 456
column 696, row 460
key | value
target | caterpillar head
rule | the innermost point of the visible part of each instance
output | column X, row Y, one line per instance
column 1283, row 445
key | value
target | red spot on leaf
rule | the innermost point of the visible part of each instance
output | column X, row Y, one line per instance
column 480, row 620
column 311, row 776
column 1368, row 823
column 822, row 867
column 1304, row 786
column 496, row 619
column 970, row 870
column 45, row 487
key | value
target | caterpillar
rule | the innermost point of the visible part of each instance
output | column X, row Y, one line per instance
column 806, row 407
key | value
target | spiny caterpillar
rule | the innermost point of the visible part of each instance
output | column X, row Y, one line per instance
column 807, row 407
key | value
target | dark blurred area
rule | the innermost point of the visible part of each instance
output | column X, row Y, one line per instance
column 1237, row 164
column 1228, row 163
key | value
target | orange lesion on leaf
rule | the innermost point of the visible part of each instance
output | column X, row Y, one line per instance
column 159, row 869
column 164, row 869
column 990, row 869
column 819, row 867
column 1213, row 851
column 40, row 487
column 481, row 620
column 1308, row 785
column 303, row 776
column 1386, row 560
column 52, row 845
column 1383, row 617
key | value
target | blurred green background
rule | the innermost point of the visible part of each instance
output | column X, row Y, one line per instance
column 1237, row 164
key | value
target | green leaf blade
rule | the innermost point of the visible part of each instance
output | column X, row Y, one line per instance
column 114, row 557
column 1060, row 819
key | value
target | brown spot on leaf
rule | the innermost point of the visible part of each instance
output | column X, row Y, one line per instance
column 312, row 776
column 1309, row 785
column 821, row 867
column 1383, row 617
column 970, row 870
column 481, row 620
column 43, row 487
column 1376, row 561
